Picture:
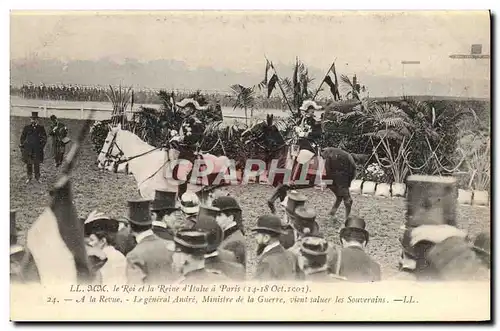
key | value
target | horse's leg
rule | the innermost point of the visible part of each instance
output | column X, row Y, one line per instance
column 280, row 192
column 336, row 205
column 347, row 204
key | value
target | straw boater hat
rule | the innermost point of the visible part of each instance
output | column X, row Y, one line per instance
column 308, row 104
column 314, row 246
column 100, row 222
column 188, row 101
column 190, row 203
column 191, row 241
column 293, row 200
column 164, row 201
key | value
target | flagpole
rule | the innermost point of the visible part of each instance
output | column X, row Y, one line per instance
column 319, row 87
column 279, row 85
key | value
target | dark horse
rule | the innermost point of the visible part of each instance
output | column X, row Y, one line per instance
column 339, row 166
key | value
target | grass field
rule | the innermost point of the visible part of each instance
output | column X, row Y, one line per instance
column 109, row 192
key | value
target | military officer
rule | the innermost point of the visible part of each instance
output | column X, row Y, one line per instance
column 59, row 134
column 32, row 143
column 310, row 126
column 230, row 220
column 274, row 262
column 312, row 260
column 216, row 257
column 189, row 258
column 190, row 206
column 352, row 262
column 150, row 262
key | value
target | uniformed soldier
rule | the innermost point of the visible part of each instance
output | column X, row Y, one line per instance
column 150, row 262
column 274, row 262
column 165, row 215
column 59, row 134
column 230, row 220
column 189, row 258
column 355, row 264
column 312, row 260
column 190, row 206
column 32, row 143
column 216, row 257
column 192, row 128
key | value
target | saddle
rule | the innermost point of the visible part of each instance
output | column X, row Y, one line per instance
column 300, row 155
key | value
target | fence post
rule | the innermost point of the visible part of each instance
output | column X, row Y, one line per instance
column 45, row 113
column 81, row 112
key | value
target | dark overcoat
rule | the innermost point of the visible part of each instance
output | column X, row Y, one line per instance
column 276, row 264
column 32, row 143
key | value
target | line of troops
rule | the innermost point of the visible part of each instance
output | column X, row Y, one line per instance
column 163, row 241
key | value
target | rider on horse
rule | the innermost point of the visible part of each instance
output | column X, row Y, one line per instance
column 309, row 127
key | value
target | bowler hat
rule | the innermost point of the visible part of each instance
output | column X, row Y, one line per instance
column 294, row 200
column 34, row 114
column 189, row 240
column 225, row 203
column 354, row 224
column 268, row 223
column 164, row 200
column 139, row 212
column 305, row 220
column 13, row 229
column 315, row 246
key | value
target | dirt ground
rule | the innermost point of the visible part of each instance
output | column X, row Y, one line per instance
column 109, row 192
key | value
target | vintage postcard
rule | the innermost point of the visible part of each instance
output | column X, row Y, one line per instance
column 250, row 165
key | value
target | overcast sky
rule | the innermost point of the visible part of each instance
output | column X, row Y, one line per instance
column 372, row 43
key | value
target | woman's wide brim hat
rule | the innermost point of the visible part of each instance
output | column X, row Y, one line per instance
column 308, row 104
column 191, row 101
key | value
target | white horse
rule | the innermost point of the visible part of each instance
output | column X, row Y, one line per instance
column 149, row 164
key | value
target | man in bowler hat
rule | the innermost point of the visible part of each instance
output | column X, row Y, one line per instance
column 274, row 262
column 216, row 257
column 312, row 260
column 293, row 200
column 32, row 144
column 189, row 258
column 150, row 262
column 230, row 220
column 351, row 261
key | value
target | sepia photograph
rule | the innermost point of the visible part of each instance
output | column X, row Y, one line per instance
column 250, row 165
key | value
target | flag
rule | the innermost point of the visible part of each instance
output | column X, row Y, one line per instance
column 334, row 85
column 55, row 240
column 270, row 83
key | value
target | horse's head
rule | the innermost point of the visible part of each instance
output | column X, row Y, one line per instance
column 266, row 133
column 110, row 153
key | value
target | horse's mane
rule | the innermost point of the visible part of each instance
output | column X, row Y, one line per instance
column 134, row 138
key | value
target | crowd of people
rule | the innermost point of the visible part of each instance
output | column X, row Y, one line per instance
column 179, row 240
column 82, row 93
